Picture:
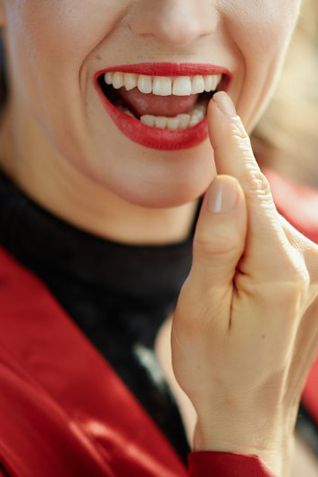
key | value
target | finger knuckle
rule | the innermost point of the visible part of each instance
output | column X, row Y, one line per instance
column 296, row 270
column 239, row 132
column 296, row 289
column 293, row 280
column 256, row 183
column 298, row 277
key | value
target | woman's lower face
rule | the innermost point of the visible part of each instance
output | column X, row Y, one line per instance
column 118, row 88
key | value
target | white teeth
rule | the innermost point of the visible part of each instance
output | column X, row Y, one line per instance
column 108, row 78
column 201, row 108
column 173, row 123
column 144, row 84
column 211, row 82
column 148, row 119
column 164, row 85
column 182, row 121
column 118, row 80
column 161, row 122
column 196, row 117
column 182, row 86
column 198, row 85
column 131, row 81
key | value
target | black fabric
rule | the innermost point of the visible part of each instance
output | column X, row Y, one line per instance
column 119, row 295
column 307, row 428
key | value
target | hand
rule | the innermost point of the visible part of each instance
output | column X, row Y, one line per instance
column 245, row 329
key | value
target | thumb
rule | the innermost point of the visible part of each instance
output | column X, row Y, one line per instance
column 219, row 239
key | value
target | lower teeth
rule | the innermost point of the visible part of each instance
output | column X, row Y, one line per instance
column 179, row 122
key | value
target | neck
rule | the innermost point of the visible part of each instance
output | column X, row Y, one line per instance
column 63, row 190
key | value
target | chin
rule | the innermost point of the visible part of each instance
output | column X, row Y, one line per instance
column 165, row 194
column 146, row 178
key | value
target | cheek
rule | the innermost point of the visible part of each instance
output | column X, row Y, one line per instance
column 49, row 42
column 260, row 31
column 260, row 27
column 62, row 30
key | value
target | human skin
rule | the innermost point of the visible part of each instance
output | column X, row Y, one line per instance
column 249, row 308
column 63, row 150
column 89, row 173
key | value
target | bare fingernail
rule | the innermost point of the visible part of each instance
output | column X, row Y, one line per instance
column 222, row 197
column 225, row 103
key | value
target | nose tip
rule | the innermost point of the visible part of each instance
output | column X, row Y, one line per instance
column 176, row 23
column 176, row 33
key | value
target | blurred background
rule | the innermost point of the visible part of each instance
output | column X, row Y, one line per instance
column 286, row 138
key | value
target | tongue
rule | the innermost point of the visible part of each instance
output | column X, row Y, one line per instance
column 140, row 103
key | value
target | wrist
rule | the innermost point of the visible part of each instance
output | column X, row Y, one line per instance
column 270, row 452
column 248, row 430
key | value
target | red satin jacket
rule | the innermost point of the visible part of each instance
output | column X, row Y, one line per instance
column 64, row 412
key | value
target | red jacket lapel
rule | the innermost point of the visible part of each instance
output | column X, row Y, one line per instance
column 55, row 355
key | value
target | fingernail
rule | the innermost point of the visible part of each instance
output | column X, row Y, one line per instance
column 222, row 197
column 225, row 103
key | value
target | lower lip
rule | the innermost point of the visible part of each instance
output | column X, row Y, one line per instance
column 151, row 137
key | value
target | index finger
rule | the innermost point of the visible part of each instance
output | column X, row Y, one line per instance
column 268, row 252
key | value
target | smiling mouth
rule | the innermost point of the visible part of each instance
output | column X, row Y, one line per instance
column 164, row 102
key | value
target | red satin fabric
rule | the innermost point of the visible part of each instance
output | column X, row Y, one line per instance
column 63, row 410
column 225, row 464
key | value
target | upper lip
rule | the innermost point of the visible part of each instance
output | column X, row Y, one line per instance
column 169, row 69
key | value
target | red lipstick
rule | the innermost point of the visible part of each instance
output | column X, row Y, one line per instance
column 152, row 137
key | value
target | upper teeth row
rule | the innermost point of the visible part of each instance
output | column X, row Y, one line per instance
column 163, row 85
